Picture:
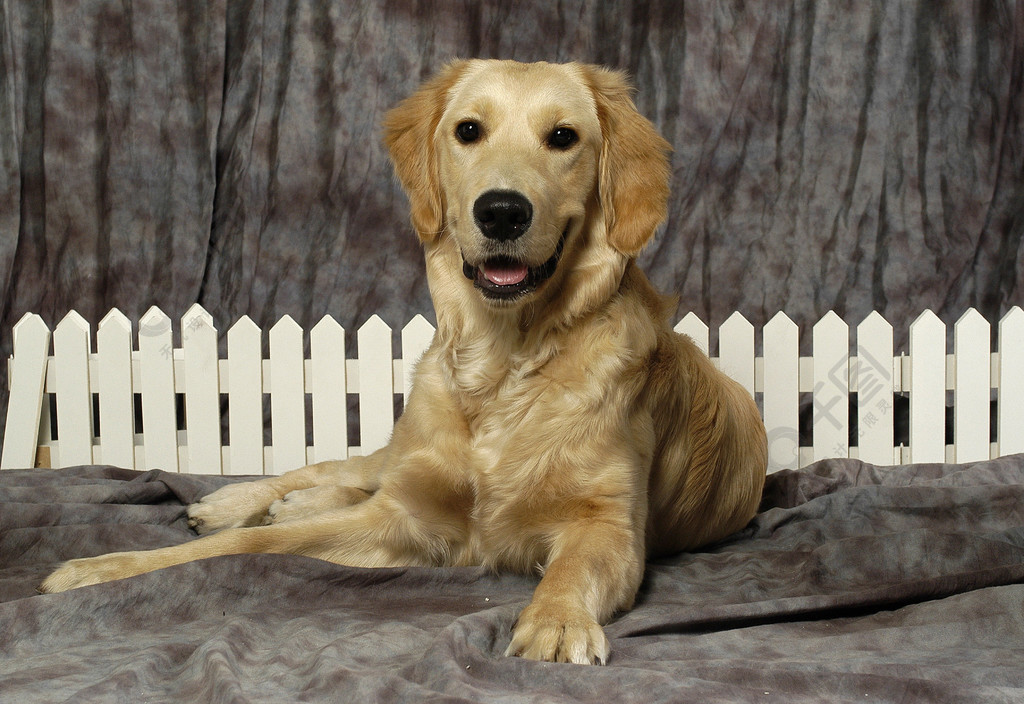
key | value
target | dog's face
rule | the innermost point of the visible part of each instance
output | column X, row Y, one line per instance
column 512, row 161
column 517, row 153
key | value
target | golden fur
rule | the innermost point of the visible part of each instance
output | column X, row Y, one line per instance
column 557, row 423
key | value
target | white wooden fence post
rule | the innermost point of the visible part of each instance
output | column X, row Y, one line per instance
column 781, row 343
column 117, row 401
column 245, row 398
column 159, row 412
column 416, row 338
column 74, row 397
column 329, row 389
column 202, row 391
column 1010, row 423
column 875, row 372
column 736, row 350
column 694, row 328
column 927, row 389
column 972, row 387
column 27, row 380
column 376, row 385
column 287, row 396
column 831, row 395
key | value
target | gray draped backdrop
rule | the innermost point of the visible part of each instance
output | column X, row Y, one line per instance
column 853, row 156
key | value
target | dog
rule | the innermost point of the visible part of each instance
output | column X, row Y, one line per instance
column 556, row 424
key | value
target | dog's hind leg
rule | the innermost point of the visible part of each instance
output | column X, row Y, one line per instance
column 379, row 532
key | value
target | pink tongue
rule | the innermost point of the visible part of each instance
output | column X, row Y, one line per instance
column 505, row 276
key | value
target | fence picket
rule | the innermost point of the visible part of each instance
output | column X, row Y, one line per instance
column 875, row 391
column 928, row 389
column 972, row 387
column 287, row 396
column 202, row 391
column 830, row 397
column 1010, row 423
column 159, row 412
column 416, row 338
column 26, row 379
column 736, row 350
column 245, row 398
column 329, row 390
column 376, row 385
column 694, row 328
column 114, row 385
column 781, row 342
column 74, row 399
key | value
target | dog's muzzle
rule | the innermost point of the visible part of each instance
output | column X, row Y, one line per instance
column 502, row 217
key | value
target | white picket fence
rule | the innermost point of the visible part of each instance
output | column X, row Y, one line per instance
column 165, row 378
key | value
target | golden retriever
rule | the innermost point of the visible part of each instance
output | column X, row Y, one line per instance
column 557, row 424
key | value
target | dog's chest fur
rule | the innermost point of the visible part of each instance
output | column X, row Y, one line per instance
column 504, row 384
column 533, row 411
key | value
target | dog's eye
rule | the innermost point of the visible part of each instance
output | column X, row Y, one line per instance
column 562, row 138
column 467, row 131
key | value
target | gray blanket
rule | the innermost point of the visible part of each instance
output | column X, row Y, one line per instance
column 854, row 583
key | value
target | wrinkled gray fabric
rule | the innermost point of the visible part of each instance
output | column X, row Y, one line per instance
column 854, row 583
column 828, row 155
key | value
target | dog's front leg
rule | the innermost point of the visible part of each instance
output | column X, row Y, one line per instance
column 595, row 568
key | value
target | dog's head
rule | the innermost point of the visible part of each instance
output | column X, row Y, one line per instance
column 513, row 161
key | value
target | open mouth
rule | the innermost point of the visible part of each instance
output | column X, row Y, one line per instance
column 505, row 278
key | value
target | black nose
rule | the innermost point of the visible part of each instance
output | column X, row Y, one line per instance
column 502, row 215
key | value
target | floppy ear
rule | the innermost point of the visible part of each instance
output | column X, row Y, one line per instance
column 634, row 167
column 409, row 137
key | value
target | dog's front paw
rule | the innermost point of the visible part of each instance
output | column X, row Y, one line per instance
column 91, row 570
column 558, row 634
column 233, row 506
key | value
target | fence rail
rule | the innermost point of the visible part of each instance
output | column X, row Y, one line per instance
column 161, row 406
